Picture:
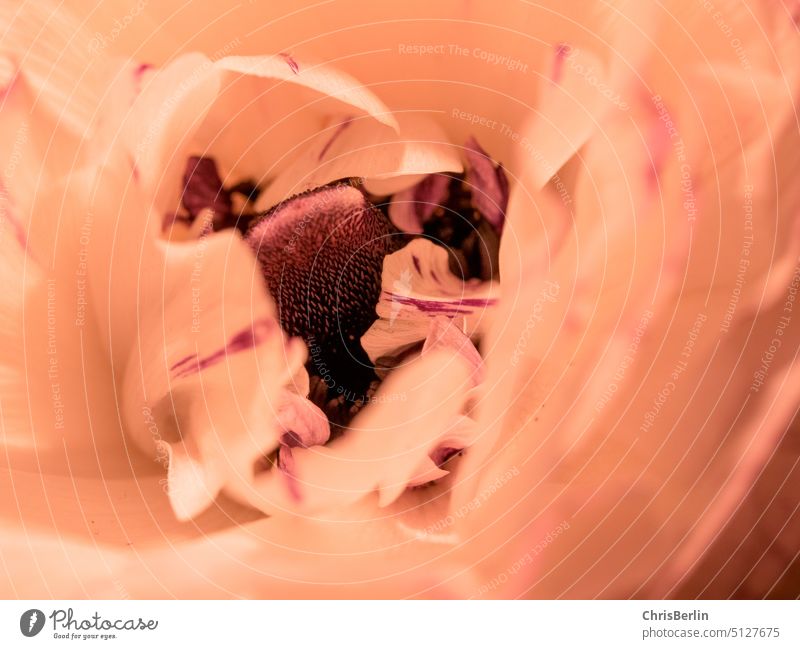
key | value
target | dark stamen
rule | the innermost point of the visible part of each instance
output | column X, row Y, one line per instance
column 246, row 188
column 472, row 242
column 203, row 188
column 322, row 253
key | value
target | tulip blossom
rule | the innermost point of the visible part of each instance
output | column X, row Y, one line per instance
column 352, row 314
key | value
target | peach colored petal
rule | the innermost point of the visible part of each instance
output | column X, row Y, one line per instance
column 304, row 423
column 445, row 333
column 418, row 286
column 39, row 43
column 362, row 147
column 210, row 363
column 246, row 112
column 158, row 129
column 323, row 79
column 597, row 506
column 629, row 449
column 386, row 446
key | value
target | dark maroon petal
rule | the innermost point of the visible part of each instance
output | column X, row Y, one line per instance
column 247, row 188
column 429, row 194
column 489, row 184
column 412, row 207
column 203, row 189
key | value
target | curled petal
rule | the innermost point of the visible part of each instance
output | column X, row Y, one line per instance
column 388, row 159
column 386, row 449
column 194, row 99
column 418, row 286
column 444, row 332
column 209, row 371
column 567, row 113
column 317, row 77
column 303, row 423
column 462, row 435
column 192, row 483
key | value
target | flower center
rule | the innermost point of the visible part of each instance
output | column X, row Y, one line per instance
column 322, row 253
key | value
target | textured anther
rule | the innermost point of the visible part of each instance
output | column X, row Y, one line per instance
column 322, row 256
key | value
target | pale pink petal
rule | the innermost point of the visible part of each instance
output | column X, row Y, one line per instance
column 301, row 422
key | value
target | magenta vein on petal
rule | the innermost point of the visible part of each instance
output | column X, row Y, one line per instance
column 247, row 338
column 339, row 129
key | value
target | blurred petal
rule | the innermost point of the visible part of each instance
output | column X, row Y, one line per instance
column 387, row 446
column 619, row 433
column 210, row 362
column 38, row 40
column 444, row 333
column 304, row 424
column 488, row 184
